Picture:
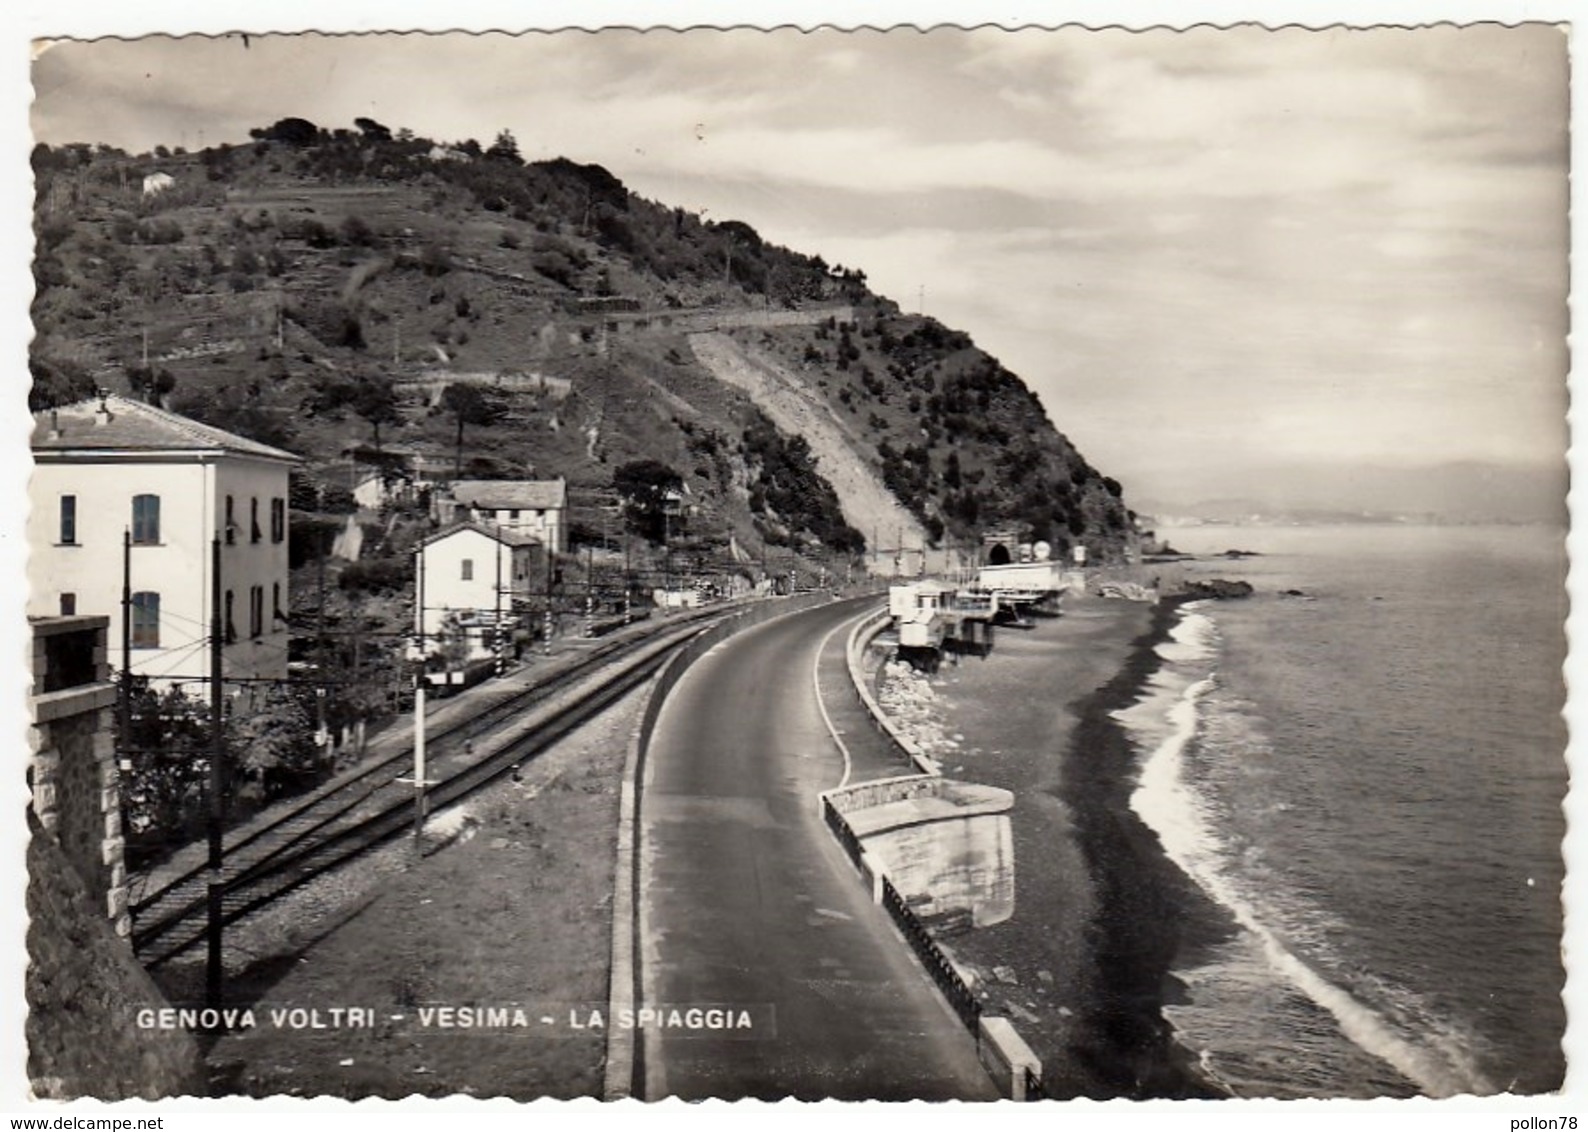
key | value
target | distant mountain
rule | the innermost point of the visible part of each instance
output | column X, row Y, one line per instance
column 1461, row 492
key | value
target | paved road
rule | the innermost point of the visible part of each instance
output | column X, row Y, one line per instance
column 746, row 900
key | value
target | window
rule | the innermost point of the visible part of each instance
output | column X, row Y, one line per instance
column 146, row 620
column 468, row 569
column 275, row 604
column 68, row 520
column 253, row 520
column 278, row 520
column 146, row 520
column 513, row 515
column 68, row 605
column 256, row 610
column 231, row 522
column 231, row 625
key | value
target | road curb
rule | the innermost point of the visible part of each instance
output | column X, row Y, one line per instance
column 619, row 1081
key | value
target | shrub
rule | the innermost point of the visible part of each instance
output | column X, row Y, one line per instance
column 378, row 575
column 357, row 233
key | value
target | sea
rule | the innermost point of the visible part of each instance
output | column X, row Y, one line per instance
column 1365, row 776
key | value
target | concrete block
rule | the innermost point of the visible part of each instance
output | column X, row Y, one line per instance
column 49, row 822
column 872, row 870
column 112, row 825
column 123, row 925
column 109, row 800
column 1005, row 1056
column 44, row 798
column 105, row 745
column 46, row 765
column 111, row 850
column 118, row 874
column 116, row 902
column 109, row 775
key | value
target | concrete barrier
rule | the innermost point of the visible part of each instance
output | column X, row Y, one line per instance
column 1007, row 1058
column 860, row 639
column 881, row 791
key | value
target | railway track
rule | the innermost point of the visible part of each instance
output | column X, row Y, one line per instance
column 368, row 804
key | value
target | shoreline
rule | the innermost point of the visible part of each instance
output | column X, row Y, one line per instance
column 1083, row 965
column 1150, row 910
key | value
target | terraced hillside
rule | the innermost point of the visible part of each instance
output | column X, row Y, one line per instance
column 326, row 287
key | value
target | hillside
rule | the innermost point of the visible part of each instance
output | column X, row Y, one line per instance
column 319, row 287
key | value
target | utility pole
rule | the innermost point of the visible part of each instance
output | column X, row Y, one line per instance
column 548, row 623
column 125, row 699
column 498, row 644
column 217, row 781
column 589, row 591
column 421, row 679
column 324, row 733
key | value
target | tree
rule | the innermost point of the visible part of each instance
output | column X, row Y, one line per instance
column 272, row 748
column 166, row 783
column 150, row 385
column 645, row 486
column 374, row 400
column 372, row 130
column 469, row 406
column 291, row 131
column 58, row 383
column 238, row 410
column 505, row 148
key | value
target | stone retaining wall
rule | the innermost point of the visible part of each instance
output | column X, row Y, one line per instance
column 72, row 761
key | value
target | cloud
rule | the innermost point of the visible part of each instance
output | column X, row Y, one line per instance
column 1206, row 246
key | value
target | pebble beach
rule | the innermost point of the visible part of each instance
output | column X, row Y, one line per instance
column 1082, row 965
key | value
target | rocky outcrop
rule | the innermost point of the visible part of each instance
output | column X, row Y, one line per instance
column 1218, row 589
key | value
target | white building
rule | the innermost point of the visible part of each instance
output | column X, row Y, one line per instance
column 469, row 573
column 111, row 468
column 538, row 508
column 156, row 183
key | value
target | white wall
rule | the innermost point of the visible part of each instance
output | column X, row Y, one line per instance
column 177, row 569
column 545, row 524
column 445, row 589
column 245, row 563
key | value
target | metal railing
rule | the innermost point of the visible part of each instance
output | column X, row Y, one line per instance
column 840, row 827
column 937, row 965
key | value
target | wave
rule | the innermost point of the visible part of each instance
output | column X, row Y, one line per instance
column 1166, row 720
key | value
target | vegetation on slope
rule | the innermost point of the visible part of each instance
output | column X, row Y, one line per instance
column 287, row 289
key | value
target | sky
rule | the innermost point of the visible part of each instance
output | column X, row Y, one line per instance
column 1228, row 261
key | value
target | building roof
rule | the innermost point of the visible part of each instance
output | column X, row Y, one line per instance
column 509, row 495
column 505, row 537
column 132, row 426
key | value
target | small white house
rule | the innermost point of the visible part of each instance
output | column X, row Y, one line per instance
column 156, row 183
column 538, row 508
column 469, row 576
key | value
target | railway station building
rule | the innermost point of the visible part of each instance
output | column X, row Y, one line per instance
column 124, row 493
